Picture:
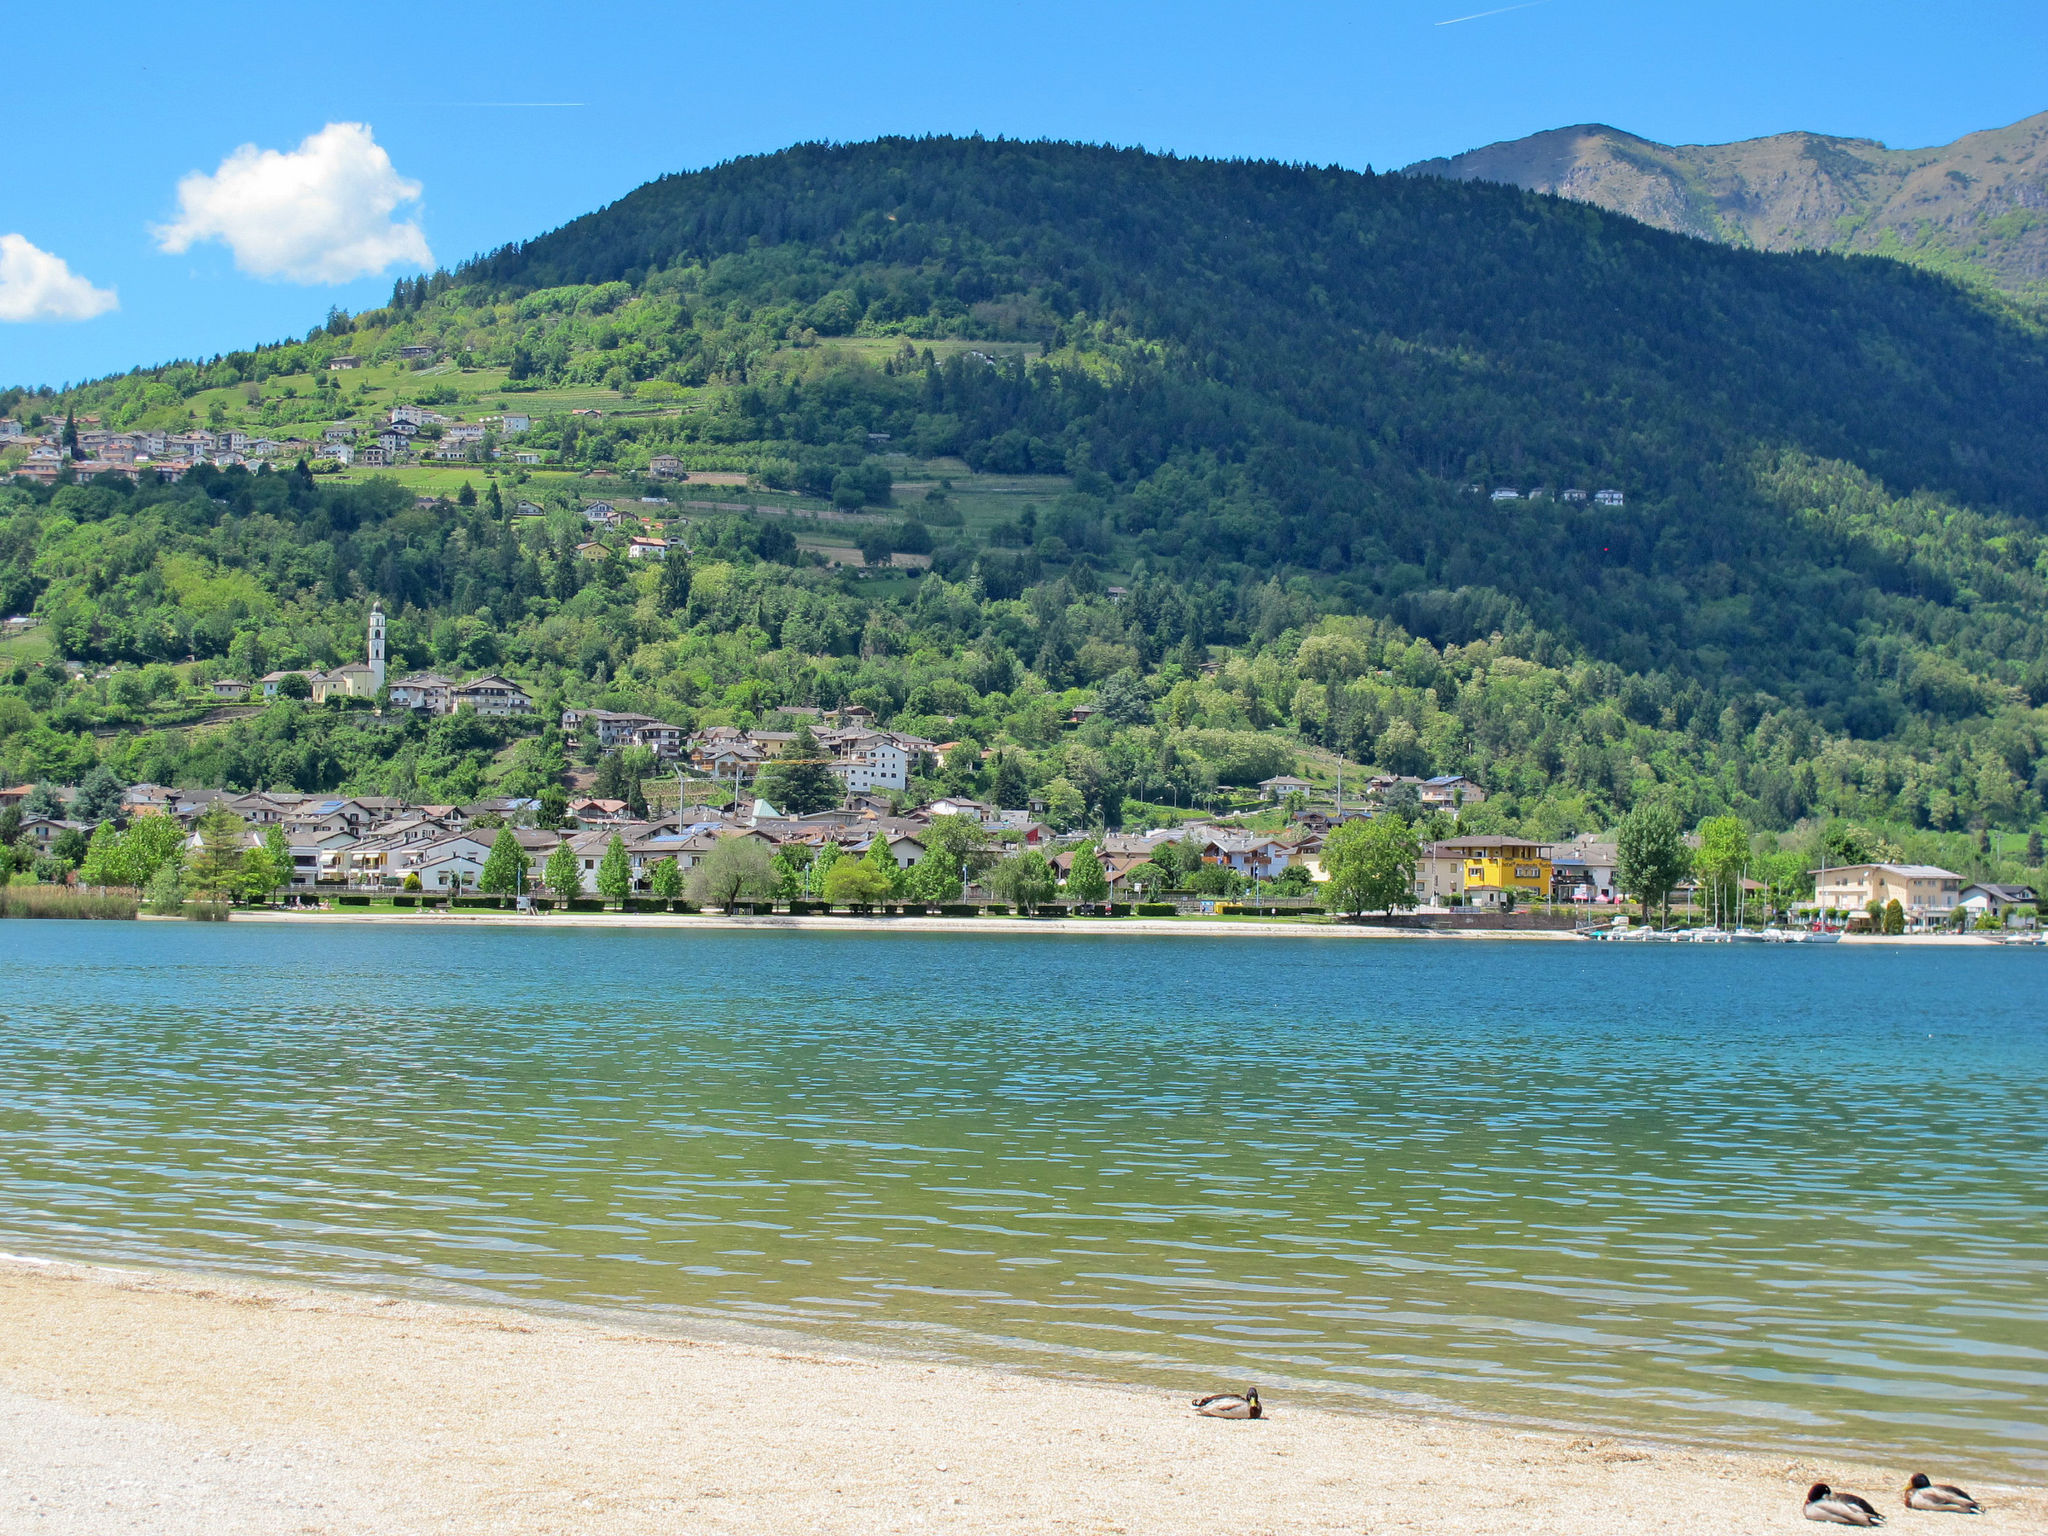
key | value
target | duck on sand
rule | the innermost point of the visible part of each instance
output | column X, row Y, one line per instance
column 171, row 1403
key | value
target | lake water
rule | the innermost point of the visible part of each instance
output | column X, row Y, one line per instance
column 1786, row 1198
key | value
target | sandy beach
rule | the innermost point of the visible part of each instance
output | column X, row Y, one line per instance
column 167, row 1403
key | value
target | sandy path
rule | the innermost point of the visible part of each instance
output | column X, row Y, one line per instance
column 134, row 1402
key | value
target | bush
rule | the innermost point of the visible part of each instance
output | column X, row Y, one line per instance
column 1045, row 909
column 351, row 901
column 490, row 902
column 681, row 905
column 994, row 909
column 542, row 903
column 1157, row 909
column 207, row 911
column 959, row 909
column 586, row 904
column 405, row 901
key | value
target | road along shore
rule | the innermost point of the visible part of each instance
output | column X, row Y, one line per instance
column 173, row 1403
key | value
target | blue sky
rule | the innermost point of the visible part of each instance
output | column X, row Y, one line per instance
column 454, row 159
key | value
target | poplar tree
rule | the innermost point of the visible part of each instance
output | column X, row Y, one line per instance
column 564, row 872
column 507, row 868
column 615, row 872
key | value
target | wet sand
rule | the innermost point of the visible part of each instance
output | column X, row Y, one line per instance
column 166, row 1403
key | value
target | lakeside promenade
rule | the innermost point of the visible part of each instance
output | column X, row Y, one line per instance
column 175, row 1402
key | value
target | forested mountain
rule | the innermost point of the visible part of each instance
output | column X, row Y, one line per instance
column 1270, row 401
column 1977, row 208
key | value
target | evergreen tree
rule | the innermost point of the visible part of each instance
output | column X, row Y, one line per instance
column 675, row 581
column 1010, row 791
column 216, row 868
column 799, row 782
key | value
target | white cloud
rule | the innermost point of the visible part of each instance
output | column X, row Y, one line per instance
column 34, row 285
column 321, row 213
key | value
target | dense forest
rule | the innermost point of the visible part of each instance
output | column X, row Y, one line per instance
column 1273, row 398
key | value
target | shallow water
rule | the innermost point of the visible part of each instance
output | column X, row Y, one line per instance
column 1754, row 1196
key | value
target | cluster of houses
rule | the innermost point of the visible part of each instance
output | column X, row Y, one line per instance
column 369, row 843
column 402, row 435
column 414, row 432
column 1606, row 498
column 423, row 692
column 863, row 757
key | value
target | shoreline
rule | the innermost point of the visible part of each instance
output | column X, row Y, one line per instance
column 144, row 1400
column 1195, row 927
column 1063, row 926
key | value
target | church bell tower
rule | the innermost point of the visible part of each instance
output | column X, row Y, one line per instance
column 376, row 648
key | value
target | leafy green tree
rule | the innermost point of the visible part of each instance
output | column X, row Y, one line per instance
column 856, row 883
column 105, row 861
column 1025, row 881
column 295, row 685
column 1064, row 805
column 150, row 843
column 1720, row 860
column 882, row 860
column 737, row 869
column 1144, row 877
column 165, row 894
column 665, row 880
column 216, row 866
column 792, row 863
column 1650, row 855
column 1894, row 917
column 268, row 865
column 1370, row 865
column 564, row 872
column 934, row 879
column 798, row 782
column 508, row 868
column 1086, row 881
column 615, row 871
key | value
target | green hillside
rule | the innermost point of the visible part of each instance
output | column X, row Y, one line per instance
column 1258, row 397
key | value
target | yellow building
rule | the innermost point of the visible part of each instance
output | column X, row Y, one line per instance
column 1492, row 866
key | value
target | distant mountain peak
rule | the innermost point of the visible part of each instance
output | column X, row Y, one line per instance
column 1976, row 208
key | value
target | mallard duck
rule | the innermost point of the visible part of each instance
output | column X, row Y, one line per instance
column 1230, row 1405
column 1942, row 1498
column 1823, row 1503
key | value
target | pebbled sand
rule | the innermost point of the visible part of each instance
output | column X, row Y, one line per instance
column 139, row 1402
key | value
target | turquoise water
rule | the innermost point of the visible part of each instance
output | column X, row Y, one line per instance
column 1766, row 1197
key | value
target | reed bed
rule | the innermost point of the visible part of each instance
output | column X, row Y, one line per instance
column 65, row 901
